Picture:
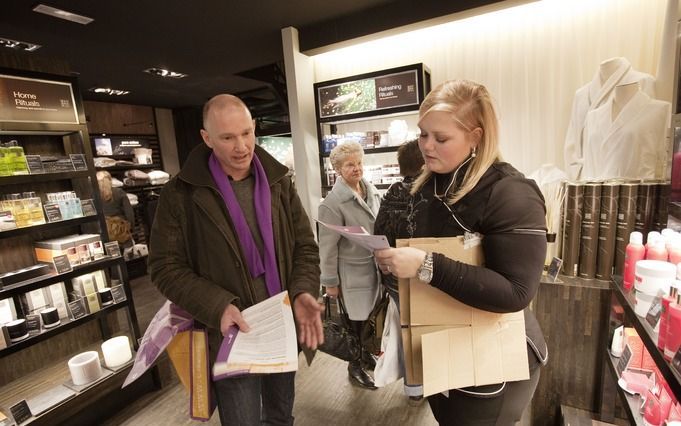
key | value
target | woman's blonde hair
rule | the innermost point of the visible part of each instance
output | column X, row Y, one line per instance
column 471, row 106
column 104, row 182
column 342, row 151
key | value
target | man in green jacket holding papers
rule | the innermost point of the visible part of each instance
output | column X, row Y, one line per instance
column 230, row 231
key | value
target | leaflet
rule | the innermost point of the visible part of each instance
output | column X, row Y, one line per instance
column 268, row 347
column 359, row 235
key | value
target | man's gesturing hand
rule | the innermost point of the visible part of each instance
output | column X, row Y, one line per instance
column 308, row 315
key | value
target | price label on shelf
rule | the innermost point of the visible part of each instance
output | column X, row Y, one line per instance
column 77, row 308
column 20, row 411
column 52, row 212
column 35, row 166
column 78, row 161
column 88, row 207
column 112, row 248
column 62, row 264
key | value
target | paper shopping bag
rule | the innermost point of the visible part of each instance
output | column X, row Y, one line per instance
column 188, row 352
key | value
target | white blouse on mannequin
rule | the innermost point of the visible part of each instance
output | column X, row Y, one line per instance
column 625, row 137
column 599, row 90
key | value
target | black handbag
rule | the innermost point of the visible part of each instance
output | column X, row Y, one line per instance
column 372, row 329
column 339, row 339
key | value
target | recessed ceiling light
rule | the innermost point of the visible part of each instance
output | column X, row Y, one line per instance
column 18, row 45
column 162, row 72
column 109, row 91
column 62, row 14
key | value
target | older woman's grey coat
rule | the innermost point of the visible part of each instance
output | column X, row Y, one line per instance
column 343, row 262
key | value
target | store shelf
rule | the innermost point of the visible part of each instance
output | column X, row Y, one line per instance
column 368, row 151
column 631, row 403
column 377, row 185
column 66, row 324
column 47, row 226
column 42, row 177
column 45, row 280
column 55, row 373
column 648, row 336
column 141, row 188
column 130, row 167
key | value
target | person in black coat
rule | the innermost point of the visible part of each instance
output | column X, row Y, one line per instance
column 465, row 188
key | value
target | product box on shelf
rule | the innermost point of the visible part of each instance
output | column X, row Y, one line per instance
column 34, row 301
column 85, row 286
column 8, row 312
column 23, row 274
column 76, row 247
column 59, row 299
column 4, row 339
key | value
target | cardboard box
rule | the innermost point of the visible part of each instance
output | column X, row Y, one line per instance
column 450, row 345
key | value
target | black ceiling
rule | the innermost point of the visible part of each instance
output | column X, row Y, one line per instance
column 224, row 46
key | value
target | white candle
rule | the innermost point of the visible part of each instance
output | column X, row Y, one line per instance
column 85, row 368
column 116, row 351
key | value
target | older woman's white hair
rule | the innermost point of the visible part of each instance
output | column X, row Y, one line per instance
column 341, row 152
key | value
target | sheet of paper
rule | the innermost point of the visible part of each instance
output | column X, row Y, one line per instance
column 168, row 321
column 359, row 235
column 268, row 347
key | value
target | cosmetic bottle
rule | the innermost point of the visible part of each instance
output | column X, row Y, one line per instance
column 657, row 251
column 652, row 415
column 651, row 239
column 675, row 250
column 673, row 339
column 634, row 252
column 664, row 317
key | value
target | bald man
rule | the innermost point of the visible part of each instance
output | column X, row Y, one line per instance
column 230, row 231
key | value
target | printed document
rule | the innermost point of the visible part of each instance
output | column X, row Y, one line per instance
column 270, row 345
column 359, row 235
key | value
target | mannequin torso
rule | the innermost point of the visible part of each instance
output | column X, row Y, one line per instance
column 608, row 68
column 623, row 94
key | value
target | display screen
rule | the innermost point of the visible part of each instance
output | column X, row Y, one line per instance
column 369, row 94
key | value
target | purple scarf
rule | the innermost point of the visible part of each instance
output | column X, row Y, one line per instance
column 257, row 263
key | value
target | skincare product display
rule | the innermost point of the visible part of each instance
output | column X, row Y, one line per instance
column 116, row 351
column 17, row 329
column 85, row 368
column 50, row 317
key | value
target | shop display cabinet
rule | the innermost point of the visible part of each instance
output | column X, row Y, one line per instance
column 622, row 312
column 34, row 369
column 120, row 149
column 377, row 109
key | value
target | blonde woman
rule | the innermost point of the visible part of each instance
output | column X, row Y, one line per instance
column 120, row 217
column 349, row 270
column 466, row 188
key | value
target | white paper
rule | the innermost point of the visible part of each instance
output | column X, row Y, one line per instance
column 268, row 347
column 359, row 235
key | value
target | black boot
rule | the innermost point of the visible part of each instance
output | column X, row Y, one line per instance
column 368, row 360
column 360, row 377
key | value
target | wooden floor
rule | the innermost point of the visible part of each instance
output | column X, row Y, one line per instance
column 324, row 396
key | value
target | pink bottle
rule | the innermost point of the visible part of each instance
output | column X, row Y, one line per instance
column 675, row 251
column 635, row 251
column 657, row 251
column 673, row 340
column 664, row 317
column 651, row 239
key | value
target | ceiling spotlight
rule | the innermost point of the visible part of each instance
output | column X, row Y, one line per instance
column 109, row 91
column 162, row 72
column 18, row 45
column 62, row 14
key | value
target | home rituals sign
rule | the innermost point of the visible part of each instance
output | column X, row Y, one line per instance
column 36, row 101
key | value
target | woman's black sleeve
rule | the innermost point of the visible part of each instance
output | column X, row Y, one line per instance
column 514, row 247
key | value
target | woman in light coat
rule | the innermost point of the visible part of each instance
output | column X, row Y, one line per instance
column 349, row 270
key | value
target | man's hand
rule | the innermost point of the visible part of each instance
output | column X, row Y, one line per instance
column 308, row 315
column 232, row 316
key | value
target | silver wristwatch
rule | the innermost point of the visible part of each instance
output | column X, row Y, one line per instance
column 425, row 271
